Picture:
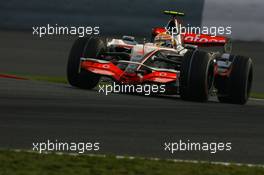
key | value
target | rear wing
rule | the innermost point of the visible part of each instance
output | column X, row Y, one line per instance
column 204, row 40
column 196, row 39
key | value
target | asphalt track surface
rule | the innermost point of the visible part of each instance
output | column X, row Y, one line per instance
column 33, row 111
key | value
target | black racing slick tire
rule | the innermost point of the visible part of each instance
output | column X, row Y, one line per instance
column 196, row 77
column 83, row 47
column 240, row 81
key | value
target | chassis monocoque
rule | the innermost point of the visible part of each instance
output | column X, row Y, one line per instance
column 191, row 73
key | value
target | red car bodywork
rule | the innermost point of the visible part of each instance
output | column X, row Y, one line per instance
column 108, row 68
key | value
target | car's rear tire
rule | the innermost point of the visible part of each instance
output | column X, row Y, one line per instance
column 239, row 83
column 196, row 76
column 83, row 47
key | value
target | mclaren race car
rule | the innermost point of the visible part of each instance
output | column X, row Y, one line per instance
column 183, row 68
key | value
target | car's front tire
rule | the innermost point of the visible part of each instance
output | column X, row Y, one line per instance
column 196, row 76
column 83, row 47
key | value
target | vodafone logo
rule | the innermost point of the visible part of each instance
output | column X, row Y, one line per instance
column 205, row 39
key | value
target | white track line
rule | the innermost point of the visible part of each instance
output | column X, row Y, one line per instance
column 144, row 158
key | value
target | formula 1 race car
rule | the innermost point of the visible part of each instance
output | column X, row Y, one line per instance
column 183, row 68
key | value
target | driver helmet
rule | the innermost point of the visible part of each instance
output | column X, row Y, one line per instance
column 164, row 40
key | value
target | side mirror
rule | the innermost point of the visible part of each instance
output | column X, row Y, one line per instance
column 128, row 38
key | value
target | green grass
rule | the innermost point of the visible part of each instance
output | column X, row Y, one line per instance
column 53, row 79
column 24, row 163
column 257, row 95
column 56, row 79
column 47, row 79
